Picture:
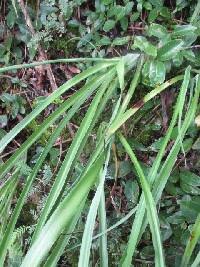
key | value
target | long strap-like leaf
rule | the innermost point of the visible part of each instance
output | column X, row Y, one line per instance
column 193, row 239
column 150, row 205
column 89, row 226
column 63, row 240
column 196, row 261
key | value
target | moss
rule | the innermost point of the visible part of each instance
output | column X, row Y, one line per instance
column 33, row 126
column 144, row 138
column 63, row 44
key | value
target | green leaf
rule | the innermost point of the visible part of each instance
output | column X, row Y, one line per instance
column 6, row 98
column 193, row 190
column 109, row 25
column 157, row 30
column 154, row 72
column 105, row 40
column 153, row 14
column 169, row 50
column 147, row 6
column 189, row 178
column 196, row 145
column 107, row 2
column 189, row 55
column 165, row 12
column 178, row 59
column 131, row 191
column 194, row 237
column 11, row 19
column 150, row 205
column 90, row 222
column 191, row 206
column 142, row 43
column 134, row 16
column 183, row 30
column 196, row 261
column 128, row 7
column 124, row 23
column 121, row 40
column 156, row 3
column 117, row 11
column 121, row 72
column 196, row 12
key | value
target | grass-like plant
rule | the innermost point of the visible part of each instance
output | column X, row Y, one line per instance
column 60, row 213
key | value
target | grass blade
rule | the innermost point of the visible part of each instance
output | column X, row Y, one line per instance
column 6, row 185
column 103, row 251
column 89, row 226
column 196, row 261
column 103, row 142
column 185, row 83
column 63, row 241
column 132, row 88
column 194, row 237
column 178, row 108
column 86, row 244
column 121, row 72
column 150, row 205
column 5, row 203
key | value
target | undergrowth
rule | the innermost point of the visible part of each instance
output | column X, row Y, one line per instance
column 104, row 170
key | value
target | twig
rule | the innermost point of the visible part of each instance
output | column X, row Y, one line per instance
column 190, row 47
column 61, row 60
column 41, row 51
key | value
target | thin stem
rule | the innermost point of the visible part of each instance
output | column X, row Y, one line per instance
column 61, row 60
column 132, row 87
